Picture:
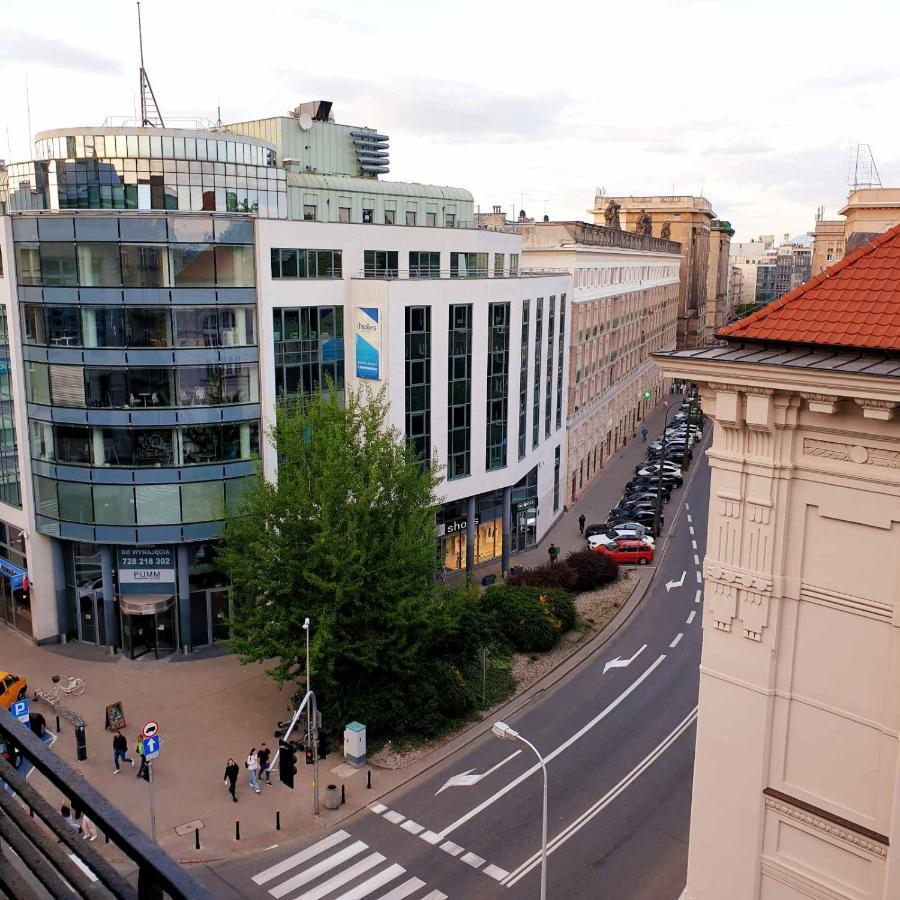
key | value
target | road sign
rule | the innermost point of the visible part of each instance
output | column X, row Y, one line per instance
column 19, row 710
column 150, row 730
column 151, row 747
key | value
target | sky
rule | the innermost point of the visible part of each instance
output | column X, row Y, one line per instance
column 757, row 104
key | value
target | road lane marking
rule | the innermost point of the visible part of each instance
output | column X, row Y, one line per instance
column 301, row 857
column 619, row 663
column 593, row 811
column 495, row 872
column 698, row 595
column 696, row 560
column 430, row 837
column 688, row 621
column 412, row 827
column 373, row 883
column 473, row 860
column 321, row 868
column 404, row 890
column 378, row 808
column 435, row 895
column 693, row 545
column 691, row 529
column 699, row 578
column 553, row 754
column 451, row 848
column 326, row 887
column 394, row 817
column 470, row 776
column 689, row 516
column 677, row 639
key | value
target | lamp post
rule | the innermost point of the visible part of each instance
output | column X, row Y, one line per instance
column 312, row 737
column 659, row 473
column 504, row 732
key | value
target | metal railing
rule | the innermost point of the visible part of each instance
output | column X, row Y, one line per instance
column 439, row 274
column 54, row 854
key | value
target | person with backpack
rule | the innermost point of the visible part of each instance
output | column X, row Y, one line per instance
column 553, row 553
column 231, row 776
column 251, row 764
column 144, row 771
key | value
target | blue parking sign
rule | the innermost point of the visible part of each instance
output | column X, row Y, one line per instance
column 151, row 747
column 19, row 710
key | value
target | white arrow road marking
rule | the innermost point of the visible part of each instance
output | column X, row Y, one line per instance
column 671, row 584
column 470, row 776
column 619, row 663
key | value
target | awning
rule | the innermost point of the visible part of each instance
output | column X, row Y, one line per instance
column 146, row 605
column 18, row 577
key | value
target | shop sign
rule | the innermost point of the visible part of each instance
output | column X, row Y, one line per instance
column 368, row 343
column 527, row 503
column 452, row 526
column 146, row 570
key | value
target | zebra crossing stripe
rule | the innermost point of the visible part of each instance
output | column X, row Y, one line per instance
column 435, row 895
column 321, row 868
column 404, row 890
column 375, row 882
column 301, row 857
column 326, row 887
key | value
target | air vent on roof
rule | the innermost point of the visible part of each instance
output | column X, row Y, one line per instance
column 371, row 152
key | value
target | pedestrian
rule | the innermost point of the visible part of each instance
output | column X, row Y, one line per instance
column 120, row 751
column 144, row 770
column 263, row 755
column 644, row 434
column 553, row 552
column 66, row 813
column 251, row 764
column 88, row 828
column 581, row 524
column 231, row 776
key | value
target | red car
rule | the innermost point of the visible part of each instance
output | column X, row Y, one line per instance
column 628, row 552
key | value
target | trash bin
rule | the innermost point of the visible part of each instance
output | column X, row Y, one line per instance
column 332, row 797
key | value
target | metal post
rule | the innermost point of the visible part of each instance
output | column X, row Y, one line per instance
column 659, row 472
column 315, row 749
column 152, row 800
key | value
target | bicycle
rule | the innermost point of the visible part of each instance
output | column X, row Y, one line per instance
column 71, row 685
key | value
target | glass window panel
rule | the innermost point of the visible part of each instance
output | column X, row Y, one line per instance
column 75, row 502
column 157, row 504
column 102, row 326
column 73, row 444
column 199, row 385
column 234, row 266
column 203, row 501
column 152, row 447
column 201, row 444
column 98, row 265
column 41, row 434
column 58, row 266
column 147, row 327
column 192, row 265
column 45, row 497
column 106, row 388
column 234, row 491
column 145, row 265
column 37, row 383
column 237, row 326
column 33, row 323
column 113, row 504
column 150, row 387
column 196, row 326
column 112, row 446
column 28, row 264
column 240, row 385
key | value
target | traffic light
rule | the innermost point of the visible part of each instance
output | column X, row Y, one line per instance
column 310, row 758
column 287, row 763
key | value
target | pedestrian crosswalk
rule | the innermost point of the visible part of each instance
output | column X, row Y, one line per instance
column 333, row 868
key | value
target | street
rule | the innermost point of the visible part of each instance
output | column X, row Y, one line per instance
column 618, row 740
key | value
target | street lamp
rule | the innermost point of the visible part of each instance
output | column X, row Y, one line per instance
column 312, row 737
column 505, row 733
column 659, row 472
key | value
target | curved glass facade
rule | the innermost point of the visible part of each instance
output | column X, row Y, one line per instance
column 141, row 368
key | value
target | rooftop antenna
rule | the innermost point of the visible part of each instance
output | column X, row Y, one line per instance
column 149, row 106
column 863, row 171
column 219, row 116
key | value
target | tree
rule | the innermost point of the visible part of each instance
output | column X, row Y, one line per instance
column 345, row 535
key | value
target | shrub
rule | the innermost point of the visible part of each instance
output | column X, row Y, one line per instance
column 557, row 575
column 561, row 604
column 526, row 622
column 592, row 569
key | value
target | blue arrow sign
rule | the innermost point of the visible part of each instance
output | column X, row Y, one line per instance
column 151, row 747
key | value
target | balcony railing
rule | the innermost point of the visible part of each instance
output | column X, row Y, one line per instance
column 436, row 274
column 54, row 854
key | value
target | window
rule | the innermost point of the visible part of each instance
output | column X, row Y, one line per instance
column 424, row 264
column 536, row 396
column 380, row 263
column 410, row 217
column 523, row 379
column 548, row 407
column 33, row 323
column 468, row 265
column 112, row 505
column 499, row 259
column 63, row 325
column 309, row 350
column 144, row 265
column 289, row 263
column 450, row 220
column 418, row 381
column 147, row 327
column 513, row 264
column 98, row 265
column 368, row 216
column 157, row 504
column 459, row 390
column 72, row 444
column 497, row 385
column 193, row 265
column 389, row 215
column 58, row 265
column 203, row 501
column 309, row 212
column 344, row 214
column 234, row 265
column 28, row 263
column 430, row 219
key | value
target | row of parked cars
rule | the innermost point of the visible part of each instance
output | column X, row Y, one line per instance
column 629, row 533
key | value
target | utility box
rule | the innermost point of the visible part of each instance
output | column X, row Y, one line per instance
column 355, row 744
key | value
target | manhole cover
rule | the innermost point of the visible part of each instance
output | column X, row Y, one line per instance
column 188, row 827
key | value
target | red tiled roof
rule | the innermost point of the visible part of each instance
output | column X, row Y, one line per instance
column 854, row 303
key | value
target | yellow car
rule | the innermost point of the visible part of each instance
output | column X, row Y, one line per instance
column 12, row 688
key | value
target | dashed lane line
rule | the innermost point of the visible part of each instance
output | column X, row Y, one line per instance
column 699, row 578
column 691, row 529
column 693, row 545
column 677, row 640
column 412, row 827
column 696, row 560
column 698, row 595
column 690, row 617
column 495, row 872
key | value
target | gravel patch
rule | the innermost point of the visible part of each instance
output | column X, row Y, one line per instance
column 595, row 609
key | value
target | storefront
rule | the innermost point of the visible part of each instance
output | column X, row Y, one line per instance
column 15, row 601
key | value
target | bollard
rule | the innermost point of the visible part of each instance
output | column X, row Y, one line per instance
column 343, row 796
column 57, row 723
column 277, row 820
column 237, row 829
column 369, row 779
column 196, row 838
column 80, row 742
column 105, row 838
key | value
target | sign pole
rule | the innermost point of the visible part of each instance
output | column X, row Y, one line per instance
column 152, row 800
column 315, row 746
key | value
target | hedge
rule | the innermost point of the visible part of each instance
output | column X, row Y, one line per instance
column 549, row 575
column 527, row 623
column 592, row 569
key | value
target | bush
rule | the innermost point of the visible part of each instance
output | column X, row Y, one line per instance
column 561, row 604
column 557, row 575
column 592, row 569
column 521, row 617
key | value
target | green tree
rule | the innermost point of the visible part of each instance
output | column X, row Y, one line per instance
column 346, row 536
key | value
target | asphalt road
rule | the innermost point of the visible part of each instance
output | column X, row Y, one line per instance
column 619, row 744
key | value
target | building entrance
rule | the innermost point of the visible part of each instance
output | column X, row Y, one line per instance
column 91, row 621
column 210, row 614
column 148, row 630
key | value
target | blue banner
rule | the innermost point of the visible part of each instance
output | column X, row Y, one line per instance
column 368, row 343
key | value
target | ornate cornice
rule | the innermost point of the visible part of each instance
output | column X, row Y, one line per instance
column 753, row 581
column 821, row 403
column 877, row 409
column 855, row 453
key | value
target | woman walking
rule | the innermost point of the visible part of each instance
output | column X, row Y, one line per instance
column 252, row 764
column 231, row 776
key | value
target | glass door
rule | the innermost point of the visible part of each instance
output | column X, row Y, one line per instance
column 165, row 631
column 87, row 616
column 200, row 635
column 138, row 635
column 220, row 612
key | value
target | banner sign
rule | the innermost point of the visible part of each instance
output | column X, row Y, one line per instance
column 146, row 570
column 528, row 503
column 368, row 342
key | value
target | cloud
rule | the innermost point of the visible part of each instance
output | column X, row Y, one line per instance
column 852, row 77
column 330, row 17
column 18, row 48
column 740, row 148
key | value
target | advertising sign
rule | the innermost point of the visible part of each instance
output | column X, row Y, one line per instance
column 146, row 570
column 368, row 343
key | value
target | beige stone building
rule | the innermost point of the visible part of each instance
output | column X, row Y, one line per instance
column 797, row 773
column 717, row 277
column 624, row 307
column 689, row 220
column 828, row 243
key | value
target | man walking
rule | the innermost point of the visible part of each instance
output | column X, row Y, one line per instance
column 231, row 776
column 644, row 434
column 553, row 552
column 581, row 524
column 120, row 750
column 263, row 755
column 252, row 766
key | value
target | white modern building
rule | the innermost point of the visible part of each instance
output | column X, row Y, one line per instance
column 164, row 287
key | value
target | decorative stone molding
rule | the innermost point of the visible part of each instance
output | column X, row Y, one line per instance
column 757, row 391
column 749, row 580
column 733, row 590
column 840, row 831
column 722, row 602
column 822, row 403
column 855, row 453
column 877, row 409
column 759, row 513
column 731, row 509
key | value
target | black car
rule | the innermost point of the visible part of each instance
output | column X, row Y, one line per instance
column 638, row 496
column 647, row 518
column 674, row 451
column 640, row 486
column 649, row 472
column 669, row 482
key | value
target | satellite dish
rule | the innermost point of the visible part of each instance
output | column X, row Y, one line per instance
column 305, row 121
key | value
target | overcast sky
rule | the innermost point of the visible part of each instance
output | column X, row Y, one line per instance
column 755, row 104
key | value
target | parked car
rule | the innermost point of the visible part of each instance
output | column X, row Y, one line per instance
column 650, row 473
column 674, row 452
column 591, row 530
column 639, row 552
column 620, row 533
column 645, row 517
column 12, row 688
column 652, row 468
column 639, row 496
column 650, row 482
